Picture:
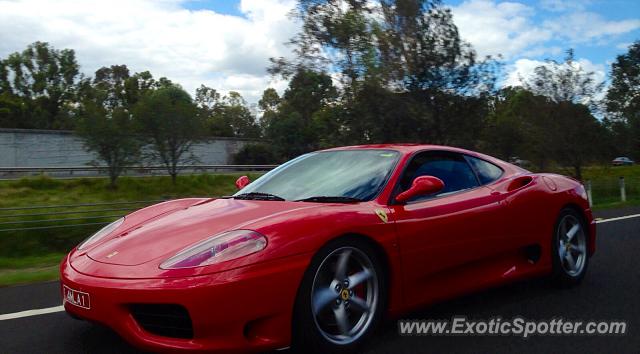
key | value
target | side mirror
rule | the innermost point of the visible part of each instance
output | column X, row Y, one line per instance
column 242, row 182
column 422, row 185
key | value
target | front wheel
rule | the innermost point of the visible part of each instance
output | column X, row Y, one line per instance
column 340, row 300
column 570, row 256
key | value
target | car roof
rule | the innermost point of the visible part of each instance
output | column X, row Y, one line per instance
column 405, row 148
column 409, row 149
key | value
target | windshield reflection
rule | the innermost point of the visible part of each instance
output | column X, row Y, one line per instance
column 358, row 174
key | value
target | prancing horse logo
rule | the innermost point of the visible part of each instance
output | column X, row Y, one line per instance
column 382, row 215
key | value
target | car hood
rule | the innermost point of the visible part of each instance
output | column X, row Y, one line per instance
column 161, row 236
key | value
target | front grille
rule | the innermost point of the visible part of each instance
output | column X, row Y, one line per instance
column 167, row 320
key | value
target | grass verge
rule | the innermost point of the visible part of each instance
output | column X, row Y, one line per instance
column 33, row 255
column 28, row 275
column 30, row 269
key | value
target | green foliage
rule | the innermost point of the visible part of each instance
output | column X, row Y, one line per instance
column 226, row 116
column 37, row 87
column 623, row 102
column 269, row 104
column 293, row 130
column 29, row 275
column 541, row 130
column 171, row 120
column 564, row 81
column 548, row 118
column 105, row 120
column 47, row 191
column 255, row 154
column 406, row 75
column 231, row 117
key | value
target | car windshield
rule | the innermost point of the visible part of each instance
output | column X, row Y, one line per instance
column 348, row 174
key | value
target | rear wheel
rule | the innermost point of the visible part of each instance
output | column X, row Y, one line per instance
column 341, row 298
column 570, row 256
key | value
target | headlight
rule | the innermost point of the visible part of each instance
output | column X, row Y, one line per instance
column 582, row 192
column 219, row 248
column 100, row 234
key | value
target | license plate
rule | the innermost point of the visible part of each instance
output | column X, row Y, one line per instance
column 76, row 298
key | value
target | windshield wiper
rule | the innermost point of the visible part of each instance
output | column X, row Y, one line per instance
column 330, row 199
column 257, row 196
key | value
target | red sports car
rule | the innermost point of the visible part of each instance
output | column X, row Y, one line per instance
column 315, row 253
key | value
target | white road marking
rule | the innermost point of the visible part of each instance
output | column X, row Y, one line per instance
column 37, row 312
column 29, row 313
column 599, row 221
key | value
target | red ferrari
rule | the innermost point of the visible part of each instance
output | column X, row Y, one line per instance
column 315, row 253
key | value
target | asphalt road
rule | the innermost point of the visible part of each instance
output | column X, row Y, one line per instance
column 610, row 291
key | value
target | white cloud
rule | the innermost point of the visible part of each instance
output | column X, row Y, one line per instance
column 624, row 45
column 231, row 52
column 189, row 47
column 521, row 68
column 499, row 28
column 582, row 27
column 524, row 68
column 511, row 29
column 564, row 5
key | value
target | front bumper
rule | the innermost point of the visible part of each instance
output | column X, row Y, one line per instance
column 241, row 310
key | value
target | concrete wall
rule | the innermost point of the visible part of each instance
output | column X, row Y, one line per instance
column 46, row 148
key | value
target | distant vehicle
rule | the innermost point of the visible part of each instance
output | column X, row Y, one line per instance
column 622, row 161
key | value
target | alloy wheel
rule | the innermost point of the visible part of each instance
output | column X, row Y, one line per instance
column 344, row 296
column 572, row 245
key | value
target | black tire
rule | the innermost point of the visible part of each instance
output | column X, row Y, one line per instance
column 307, row 337
column 562, row 275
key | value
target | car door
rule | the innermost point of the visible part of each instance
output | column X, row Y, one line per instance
column 440, row 236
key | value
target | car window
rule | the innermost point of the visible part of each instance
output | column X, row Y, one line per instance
column 451, row 168
column 357, row 173
column 487, row 172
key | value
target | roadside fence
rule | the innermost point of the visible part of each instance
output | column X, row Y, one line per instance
column 102, row 171
column 612, row 190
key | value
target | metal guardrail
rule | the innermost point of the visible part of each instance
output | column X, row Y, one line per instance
column 91, row 213
column 102, row 171
column 105, row 212
column 81, row 205
column 140, row 168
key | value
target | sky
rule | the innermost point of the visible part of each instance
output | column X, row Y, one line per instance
column 226, row 44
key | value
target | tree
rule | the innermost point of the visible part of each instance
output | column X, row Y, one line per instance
column 269, row 106
column 623, row 100
column 110, row 136
column 578, row 137
column 538, row 129
column 571, row 91
column 233, row 115
column 170, row 118
column 294, row 130
column 37, row 87
column 406, row 51
column 519, row 124
column 226, row 116
column 105, row 118
column 564, row 82
column 207, row 99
